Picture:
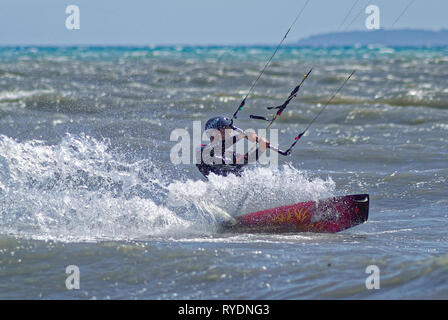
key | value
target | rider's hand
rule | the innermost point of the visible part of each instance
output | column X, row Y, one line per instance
column 263, row 144
column 263, row 141
column 251, row 136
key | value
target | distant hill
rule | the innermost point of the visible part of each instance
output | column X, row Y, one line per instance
column 399, row 38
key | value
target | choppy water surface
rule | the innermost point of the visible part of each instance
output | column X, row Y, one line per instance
column 86, row 177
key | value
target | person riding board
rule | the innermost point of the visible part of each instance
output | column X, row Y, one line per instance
column 224, row 162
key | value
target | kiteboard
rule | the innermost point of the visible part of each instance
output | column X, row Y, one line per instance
column 328, row 215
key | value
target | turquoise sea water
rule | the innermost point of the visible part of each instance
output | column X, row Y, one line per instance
column 86, row 177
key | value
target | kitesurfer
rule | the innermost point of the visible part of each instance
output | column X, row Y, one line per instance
column 224, row 162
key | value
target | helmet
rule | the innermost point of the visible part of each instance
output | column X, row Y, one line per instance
column 218, row 123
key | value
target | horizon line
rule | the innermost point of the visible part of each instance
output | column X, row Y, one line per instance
column 290, row 43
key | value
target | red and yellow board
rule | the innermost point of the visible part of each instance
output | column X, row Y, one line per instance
column 328, row 215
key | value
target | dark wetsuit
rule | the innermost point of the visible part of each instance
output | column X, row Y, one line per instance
column 222, row 164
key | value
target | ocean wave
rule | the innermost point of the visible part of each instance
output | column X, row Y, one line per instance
column 49, row 100
column 56, row 102
column 21, row 95
column 5, row 73
column 79, row 190
column 394, row 101
column 76, row 190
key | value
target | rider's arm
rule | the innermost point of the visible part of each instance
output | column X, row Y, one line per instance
column 262, row 142
column 232, row 140
column 262, row 146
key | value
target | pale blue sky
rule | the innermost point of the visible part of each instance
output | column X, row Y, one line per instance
column 153, row 22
